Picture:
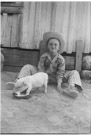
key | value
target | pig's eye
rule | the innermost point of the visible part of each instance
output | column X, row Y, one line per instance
column 18, row 87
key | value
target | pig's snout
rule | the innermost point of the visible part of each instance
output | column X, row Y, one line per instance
column 14, row 93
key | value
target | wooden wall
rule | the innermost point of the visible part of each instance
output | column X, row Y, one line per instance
column 11, row 13
column 15, row 59
column 70, row 18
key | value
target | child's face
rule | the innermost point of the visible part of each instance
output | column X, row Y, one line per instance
column 53, row 45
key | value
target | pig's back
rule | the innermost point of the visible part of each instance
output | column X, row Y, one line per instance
column 39, row 78
column 40, row 74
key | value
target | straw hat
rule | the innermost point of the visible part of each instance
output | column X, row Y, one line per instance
column 49, row 35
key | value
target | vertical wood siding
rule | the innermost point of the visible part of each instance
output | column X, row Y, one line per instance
column 70, row 18
column 9, row 30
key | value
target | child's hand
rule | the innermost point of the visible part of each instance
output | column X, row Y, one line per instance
column 59, row 88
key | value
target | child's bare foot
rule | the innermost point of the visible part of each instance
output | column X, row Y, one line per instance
column 71, row 91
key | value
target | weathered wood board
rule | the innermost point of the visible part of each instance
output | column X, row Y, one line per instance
column 15, row 58
column 70, row 18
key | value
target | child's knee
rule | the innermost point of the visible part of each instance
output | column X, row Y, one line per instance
column 27, row 66
column 74, row 72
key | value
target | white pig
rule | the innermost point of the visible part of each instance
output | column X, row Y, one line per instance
column 30, row 82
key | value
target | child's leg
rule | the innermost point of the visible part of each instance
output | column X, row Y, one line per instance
column 73, row 78
column 45, row 86
column 74, row 81
column 52, row 79
column 27, row 70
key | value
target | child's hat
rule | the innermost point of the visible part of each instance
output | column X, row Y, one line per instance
column 49, row 35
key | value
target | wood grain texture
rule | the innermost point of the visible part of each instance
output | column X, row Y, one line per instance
column 11, row 10
column 65, row 22
column 9, row 30
column 79, row 50
column 12, row 4
column 37, row 27
column 28, row 24
column 14, row 31
column 73, row 19
column 20, row 57
column 12, row 68
column 80, row 21
column 3, row 28
column 19, row 29
column 71, row 28
column 42, row 21
column 88, row 29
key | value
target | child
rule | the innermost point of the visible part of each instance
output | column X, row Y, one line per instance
column 53, row 64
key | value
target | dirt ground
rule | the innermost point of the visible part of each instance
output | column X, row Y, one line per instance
column 45, row 113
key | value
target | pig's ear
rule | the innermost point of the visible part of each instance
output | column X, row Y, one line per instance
column 16, row 80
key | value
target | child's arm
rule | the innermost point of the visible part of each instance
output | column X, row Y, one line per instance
column 41, row 67
column 60, row 73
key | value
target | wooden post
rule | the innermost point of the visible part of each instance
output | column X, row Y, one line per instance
column 79, row 51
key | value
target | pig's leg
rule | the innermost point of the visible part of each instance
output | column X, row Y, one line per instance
column 28, row 90
column 45, row 86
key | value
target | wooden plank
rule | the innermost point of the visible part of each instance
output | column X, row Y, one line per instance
column 11, row 68
column 16, row 61
column 37, row 28
column 90, row 27
column 79, row 50
column 53, row 15
column 11, row 10
column 80, row 21
column 25, row 25
column 12, row 4
column 45, row 17
column 58, row 16
column 42, row 21
column 28, row 25
column 14, row 31
column 8, row 32
column 19, row 30
column 65, row 22
column 31, row 25
column 0, row 30
column 62, row 20
column 3, row 27
column 19, row 62
column 87, row 29
column 17, row 51
column 71, row 28
column 17, row 58
column 33, row 56
column 13, row 60
column 37, row 15
column 70, row 62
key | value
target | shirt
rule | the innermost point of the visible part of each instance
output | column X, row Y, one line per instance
column 55, row 67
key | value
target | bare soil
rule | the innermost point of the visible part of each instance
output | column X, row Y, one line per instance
column 45, row 113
